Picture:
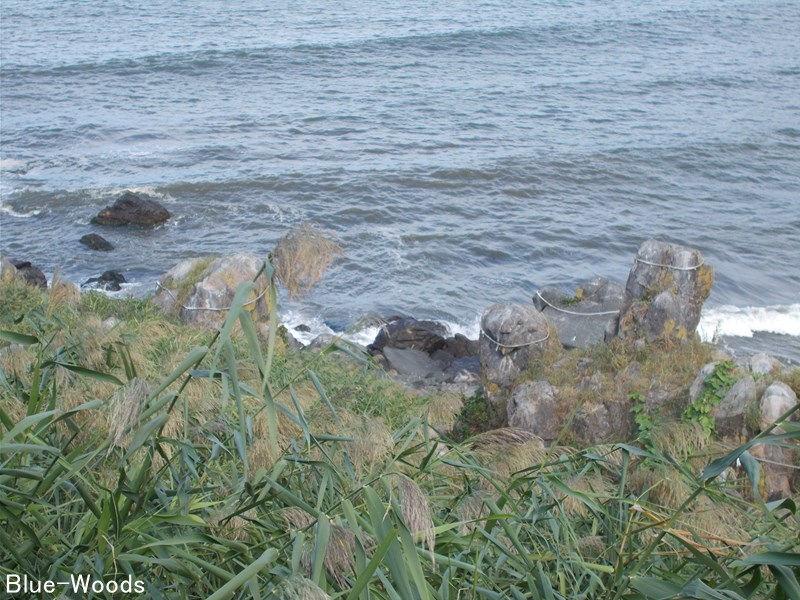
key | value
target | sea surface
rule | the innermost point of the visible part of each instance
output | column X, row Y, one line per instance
column 464, row 153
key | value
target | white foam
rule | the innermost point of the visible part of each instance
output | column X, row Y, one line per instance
column 9, row 210
column 13, row 164
column 736, row 321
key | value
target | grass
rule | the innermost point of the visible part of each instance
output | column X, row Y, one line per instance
column 221, row 465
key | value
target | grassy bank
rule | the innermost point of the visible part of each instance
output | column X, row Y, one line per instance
column 222, row 464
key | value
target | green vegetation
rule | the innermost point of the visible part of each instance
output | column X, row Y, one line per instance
column 223, row 465
column 715, row 386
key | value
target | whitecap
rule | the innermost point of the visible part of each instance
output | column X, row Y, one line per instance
column 735, row 321
column 9, row 210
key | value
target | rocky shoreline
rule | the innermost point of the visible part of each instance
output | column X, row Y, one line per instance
column 534, row 365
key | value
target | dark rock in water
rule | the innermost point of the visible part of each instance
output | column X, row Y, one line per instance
column 408, row 333
column 303, row 328
column 29, row 273
column 109, row 281
column 96, row 242
column 584, row 319
column 130, row 209
column 665, row 292
column 460, row 346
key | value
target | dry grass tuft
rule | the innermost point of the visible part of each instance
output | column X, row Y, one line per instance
column 681, row 439
column 444, row 409
column 662, row 484
column 500, row 440
column 297, row 587
column 302, row 256
column 125, row 409
column 471, row 509
column 296, row 518
column 589, row 484
column 416, row 510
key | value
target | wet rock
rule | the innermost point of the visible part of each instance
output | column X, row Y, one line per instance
column 409, row 333
column 665, row 292
column 460, row 346
column 763, row 364
column 130, row 209
column 109, row 281
column 730, row 413
column 303, row 328
column 29, row 273
column 583, row 320
column 201, row 290
column 533, row 406
column 513, row 335
column 96, row 242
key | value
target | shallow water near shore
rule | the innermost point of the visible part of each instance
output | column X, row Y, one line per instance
column 464, row 154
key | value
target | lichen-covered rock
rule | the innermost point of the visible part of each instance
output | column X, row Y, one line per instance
column 533, row 406
column 130, row 209
column 665, row 292
column 201, row 290
column 730, row 414
column 512, row 335
column 409, row 333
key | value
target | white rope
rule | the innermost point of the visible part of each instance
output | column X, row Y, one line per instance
column 652, row 264
column 214, row 309
column 579, row 314
column 512, row 346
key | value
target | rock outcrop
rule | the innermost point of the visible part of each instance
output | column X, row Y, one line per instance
column 777, row 462
column 96, row 242
column 201, row 290
column 665, row 292
column 533, row 406
column 130, row 209
column 512, row 335
column 409, row 333
column 730, row 415
column 586, row 318
column 29, row 273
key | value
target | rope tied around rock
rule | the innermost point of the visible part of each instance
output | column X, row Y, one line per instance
column 513, row 346
column 674, row 268
column 577, row 314
column 210, row 309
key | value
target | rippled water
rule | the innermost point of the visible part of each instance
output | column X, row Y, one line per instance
column 465, row 153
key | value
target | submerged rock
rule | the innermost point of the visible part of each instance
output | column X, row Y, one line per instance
column 201, row 290
column 130, row 209
column 665, row 292
column 109, row 281
column 96, row 242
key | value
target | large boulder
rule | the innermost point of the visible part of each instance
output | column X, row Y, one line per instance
column 778, row 463
column 607, row 421
column 512, row 336
column 763, row 364
column 665, row 292
column 533, row 406
column 130, row 209
column 584, row 319
column 409, row 333
column 730, row 415
column 777, row 399
column 201, row 290
column 29, row 273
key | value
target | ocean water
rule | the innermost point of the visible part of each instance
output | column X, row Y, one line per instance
column 465, row 153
